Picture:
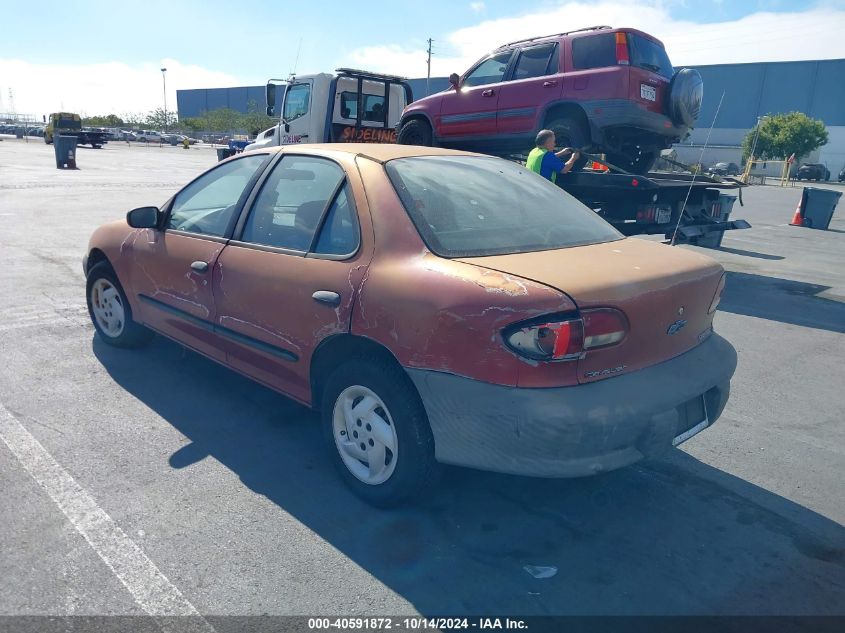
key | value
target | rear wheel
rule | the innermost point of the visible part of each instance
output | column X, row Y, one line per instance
column 110, row 312
column 639, row 164
column 378, row 432
column 415, row 132
column 569, row 132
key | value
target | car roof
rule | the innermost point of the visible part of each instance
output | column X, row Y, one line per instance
column 379, row 152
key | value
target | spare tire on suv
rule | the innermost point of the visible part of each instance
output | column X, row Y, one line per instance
column 684, row 97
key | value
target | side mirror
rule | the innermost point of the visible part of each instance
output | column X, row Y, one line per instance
column 454, row 80
column 287, row 127
column 143, row 218
column 270, row 98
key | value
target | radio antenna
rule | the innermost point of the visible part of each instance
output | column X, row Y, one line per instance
column 296, row 62
column 700, row 158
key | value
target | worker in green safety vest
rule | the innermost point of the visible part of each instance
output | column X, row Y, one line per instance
column 545, row 161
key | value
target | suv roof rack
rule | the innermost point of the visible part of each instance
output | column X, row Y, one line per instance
column 354, row 72
column 543, row 37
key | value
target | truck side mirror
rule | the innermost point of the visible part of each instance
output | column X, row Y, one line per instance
column 287, row 127
column 454, row 81
column 270, row 98
column 143, row 218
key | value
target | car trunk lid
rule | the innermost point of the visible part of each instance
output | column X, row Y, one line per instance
column 664, row 291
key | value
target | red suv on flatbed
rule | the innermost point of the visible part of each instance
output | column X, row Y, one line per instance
column 601, row 89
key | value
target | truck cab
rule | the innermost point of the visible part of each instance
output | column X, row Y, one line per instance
column 351, row 106
column 62, row 123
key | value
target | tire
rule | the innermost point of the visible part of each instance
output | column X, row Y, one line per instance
column 48, row 141
column 415, row 132
column 110, row 311
column 684, row 97
column 96, row 146
column 639, row 165
column 569, row 132
column 395, row 428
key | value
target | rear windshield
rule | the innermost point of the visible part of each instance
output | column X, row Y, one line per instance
column 648, row 54
column 465, row 206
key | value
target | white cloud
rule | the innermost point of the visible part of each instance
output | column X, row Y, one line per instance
column 478, row 7
column 762, row 36
column 104, row 88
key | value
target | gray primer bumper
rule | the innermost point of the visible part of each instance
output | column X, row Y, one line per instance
column 572, row 431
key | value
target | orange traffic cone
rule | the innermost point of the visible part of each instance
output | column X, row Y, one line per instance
column 797, row 220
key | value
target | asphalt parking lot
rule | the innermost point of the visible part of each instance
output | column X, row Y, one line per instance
column 223, row 488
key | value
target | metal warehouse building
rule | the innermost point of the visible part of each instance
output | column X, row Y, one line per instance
column 816, row 88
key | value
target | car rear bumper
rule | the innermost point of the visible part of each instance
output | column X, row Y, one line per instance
column 606, row 115
column 573, row 431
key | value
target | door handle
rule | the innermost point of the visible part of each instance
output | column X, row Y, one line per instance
column 549, row 84
column 326, row 296
column 200, row 267
column 488, row 93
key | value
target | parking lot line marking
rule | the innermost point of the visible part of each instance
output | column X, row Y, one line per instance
column 150, row 588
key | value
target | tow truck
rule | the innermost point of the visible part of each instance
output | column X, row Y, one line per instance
column 350, row 106
column 71, row 124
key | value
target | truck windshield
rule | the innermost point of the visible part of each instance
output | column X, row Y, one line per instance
column 297, row 100
column 648, row 54
column 465, row 206
column 68, row 122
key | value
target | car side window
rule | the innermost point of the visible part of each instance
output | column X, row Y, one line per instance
column 594, row 51
column 207, row 205
column 349, row 105
column 339, row 234
column 290, row 206
column 490, row 71
column 535, row 62
column 373, row 108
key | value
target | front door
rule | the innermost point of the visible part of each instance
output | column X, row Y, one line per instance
column 470, row 111
column 172, row 268
column 289, row 278
column 297, row 115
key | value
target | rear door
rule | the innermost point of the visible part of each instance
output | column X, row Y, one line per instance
column 289, row 279
column 533, row 82
column 471, row 110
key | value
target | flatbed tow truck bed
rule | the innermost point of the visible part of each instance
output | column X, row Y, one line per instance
column 654, row 203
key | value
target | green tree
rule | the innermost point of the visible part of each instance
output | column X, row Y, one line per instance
column 109, row 120
column 255, row 120
column 194, row 124
column 781, row 135
column 157, row 120
column 222, row 120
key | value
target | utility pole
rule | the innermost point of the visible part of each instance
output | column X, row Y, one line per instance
column 428, row 74
column 164, row 89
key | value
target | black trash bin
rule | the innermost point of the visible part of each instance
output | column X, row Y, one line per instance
column 225, row 152
column 817, row 207
column 65, row 149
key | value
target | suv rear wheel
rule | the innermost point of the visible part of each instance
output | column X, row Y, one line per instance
column 569, row 132
column 639, row 164
column 415, row 132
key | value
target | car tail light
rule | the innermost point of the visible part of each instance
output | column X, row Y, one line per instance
column 622, row 49
column 567, row 338
column 603, row 327
column 718, row 296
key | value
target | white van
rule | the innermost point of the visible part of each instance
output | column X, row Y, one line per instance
column 352, row 106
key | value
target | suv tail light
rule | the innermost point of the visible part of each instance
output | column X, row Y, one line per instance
column 622, row 49
column 567, row 338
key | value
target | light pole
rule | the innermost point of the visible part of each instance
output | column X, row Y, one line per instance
column 164, row 88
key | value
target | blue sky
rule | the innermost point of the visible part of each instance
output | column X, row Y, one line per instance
column 115, row 49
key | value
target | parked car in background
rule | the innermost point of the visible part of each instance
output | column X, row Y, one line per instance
column 841, row 177
column 600, row 89
column 812, row 171
column 148, row 136
column 433, row 305
column 725, row 169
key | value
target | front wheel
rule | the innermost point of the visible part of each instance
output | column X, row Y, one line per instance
column 110, row 311
column 378, row 431
column 415, row 132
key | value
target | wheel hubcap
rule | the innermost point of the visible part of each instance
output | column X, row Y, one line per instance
column 107, row 307
column 365, row 435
